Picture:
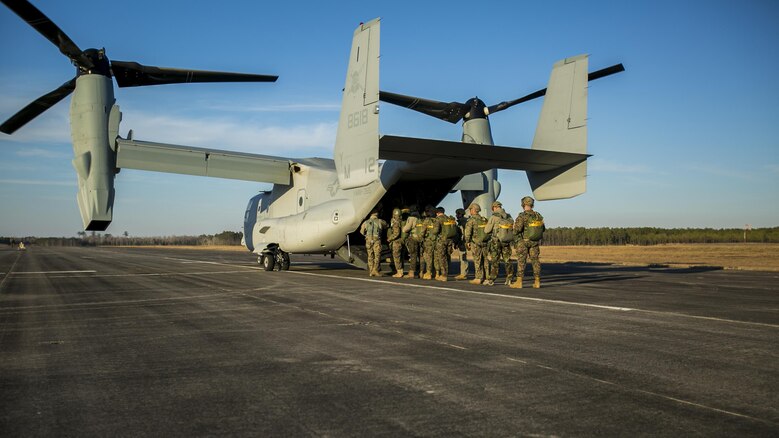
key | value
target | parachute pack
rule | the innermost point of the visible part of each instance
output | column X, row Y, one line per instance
column 419, row 231
column 449, row 227
column 534, row 230
column 504, row 230
column 479, row 236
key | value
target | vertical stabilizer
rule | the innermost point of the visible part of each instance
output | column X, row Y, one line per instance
column 562, row 127
column 357, row 141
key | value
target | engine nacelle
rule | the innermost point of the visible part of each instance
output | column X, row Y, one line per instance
column 94, row 124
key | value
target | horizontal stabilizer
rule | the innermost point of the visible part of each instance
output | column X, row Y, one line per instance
column 158, row 157
column 441, row 158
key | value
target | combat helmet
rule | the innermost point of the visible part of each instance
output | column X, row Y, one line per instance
column 527, row 200
column 497, row 204
column 476, row 206
column 396, row 212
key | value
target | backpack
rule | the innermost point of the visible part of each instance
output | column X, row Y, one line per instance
column 479, row 236
column 419, row 231
column 504, row 230
column 449, row 228
column 534, row 228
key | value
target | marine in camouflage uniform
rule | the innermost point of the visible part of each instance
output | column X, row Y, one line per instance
column 478, row 249
column 433, row 226
column 412, row 246
column 443, row 247
column 525, row 246
column 396, row 239
column 460, row 244
column 372, row 229
column 498, row 251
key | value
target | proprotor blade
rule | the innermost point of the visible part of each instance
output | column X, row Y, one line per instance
column 452, row 112
column 48, row 29
column 590, row 77
column 38, row 106
column 132, row 74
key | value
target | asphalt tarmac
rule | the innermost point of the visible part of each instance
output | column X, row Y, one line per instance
column 137, row 342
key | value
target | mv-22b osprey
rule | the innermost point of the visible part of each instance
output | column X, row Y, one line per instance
column 317, row 204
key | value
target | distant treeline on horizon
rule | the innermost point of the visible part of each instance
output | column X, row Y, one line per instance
column 563, row 236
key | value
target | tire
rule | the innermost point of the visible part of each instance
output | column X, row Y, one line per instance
column 285, row 261
column 268, row 262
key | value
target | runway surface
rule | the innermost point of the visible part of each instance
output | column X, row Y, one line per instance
column 133, row 342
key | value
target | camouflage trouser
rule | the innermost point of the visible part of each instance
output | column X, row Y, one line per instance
column 442, row 256
column 373, row 247
column 523, row 249
column 397, row 254
column 479, row 252
column 499, row 252
column 463, row 259
column 429, row 253
column 412, row 246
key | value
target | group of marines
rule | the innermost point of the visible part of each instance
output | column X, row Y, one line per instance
column 429, row 240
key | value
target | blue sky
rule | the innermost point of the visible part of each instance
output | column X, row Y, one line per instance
column 684, row 138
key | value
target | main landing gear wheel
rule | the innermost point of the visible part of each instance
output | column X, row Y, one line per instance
column 274, row 259
column 268, row 262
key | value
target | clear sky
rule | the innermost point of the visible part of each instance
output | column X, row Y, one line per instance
column 686, row 137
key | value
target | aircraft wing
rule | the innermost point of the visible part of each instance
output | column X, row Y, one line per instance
column 445, row 159
column 187, row 160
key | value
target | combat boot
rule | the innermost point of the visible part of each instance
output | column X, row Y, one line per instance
column 410, row 275
column 475, row 281
column 488, row 283
column 517, row 284
column 461, row 277
column 427, row 276
column 537, row 283
column 398, row 274
column 376, row 273
column 507, row 282
column 442, row 277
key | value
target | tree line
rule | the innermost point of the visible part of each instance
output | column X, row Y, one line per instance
column 656, row 236
column 553, row 236
column 107, row 239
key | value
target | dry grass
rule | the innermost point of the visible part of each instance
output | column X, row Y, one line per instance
column 750, row 256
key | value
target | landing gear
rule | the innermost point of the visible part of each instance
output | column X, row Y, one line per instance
column 274, row 258
column 268, row 261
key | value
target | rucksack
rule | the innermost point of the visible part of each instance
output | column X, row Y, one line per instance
column 504, row 230
column 534, row 228
column 419, row 231
column 479, row 236
column 449, row 228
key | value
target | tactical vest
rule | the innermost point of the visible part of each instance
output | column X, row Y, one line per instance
column 373, row 229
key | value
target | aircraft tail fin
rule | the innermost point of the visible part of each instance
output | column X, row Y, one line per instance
column 562, row 126
column 357, row 140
